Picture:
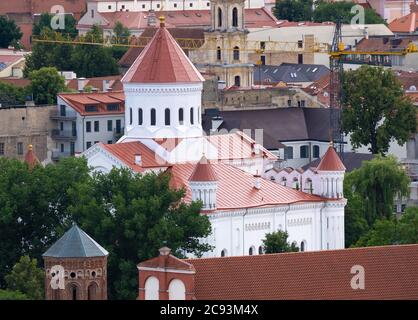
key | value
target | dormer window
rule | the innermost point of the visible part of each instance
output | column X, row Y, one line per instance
column 91, row 108
column 112, row 107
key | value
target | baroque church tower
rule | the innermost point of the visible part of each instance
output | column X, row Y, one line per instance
column 225, row 43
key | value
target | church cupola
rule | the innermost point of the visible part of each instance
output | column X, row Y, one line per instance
column 330, row 172
column 204, row 184
column 163, row 92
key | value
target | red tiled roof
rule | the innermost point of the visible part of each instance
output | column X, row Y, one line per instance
column 162, row 61
column 383, row 44
column 126, row 153
column 203, row 171
column 236, row 188
column 254, row 18
column 167, row 262
column 331, row 161
column 78, row 101
column 405, row 24
column 16, row 81
column 390, row 273
column 114, row 83
column 178, row 33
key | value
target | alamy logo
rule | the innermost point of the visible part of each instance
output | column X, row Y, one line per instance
column 57, row 277
column 358, row 281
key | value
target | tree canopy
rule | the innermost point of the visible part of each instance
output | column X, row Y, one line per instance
column 46, row 83
column 322, row 11
column 44, row 21
column 375, row 109
column 390, row 231
column 131, row 215
column 276, row 242
column 10, row 33
column 370, row 192
column 27, row 278
column 12, row 95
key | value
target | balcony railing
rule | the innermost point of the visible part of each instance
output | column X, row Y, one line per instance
column 57, row 115
column 57, row 155
column 66, row 135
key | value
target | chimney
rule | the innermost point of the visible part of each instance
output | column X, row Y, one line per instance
column 106, row 85
column 152, row 19
column 81, row 83
column 138, row 159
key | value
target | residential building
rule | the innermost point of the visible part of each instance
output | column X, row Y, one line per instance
column 84, row 119
column 12, row 63
column 163, row 133
column 289, row 73
column 22, row 126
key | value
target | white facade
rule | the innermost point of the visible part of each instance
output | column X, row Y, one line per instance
column 319, row 226
column 76, row 133
column 163, row 110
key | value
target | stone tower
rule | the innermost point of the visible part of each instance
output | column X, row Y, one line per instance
column 225, row 43
column 75, row 268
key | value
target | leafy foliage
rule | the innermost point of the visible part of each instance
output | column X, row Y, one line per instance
column 12, row 295
column 131, row 215
column 12, row 95
column 27, row 278
column 46, row 83
column 10, row 33
column 276, row 242
column 331, row 11
column 390, row 231
column 375, row 109
column 293, row 10
column 45, row 22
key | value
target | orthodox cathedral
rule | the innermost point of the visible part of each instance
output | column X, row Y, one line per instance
column 229, row 173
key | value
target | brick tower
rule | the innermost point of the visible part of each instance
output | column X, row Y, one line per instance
column 75, row 268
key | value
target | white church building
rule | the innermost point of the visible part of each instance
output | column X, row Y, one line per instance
column 226, row 172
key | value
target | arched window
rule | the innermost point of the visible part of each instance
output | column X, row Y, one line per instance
column 130, row 115
column 152, row 286
column 236, row 53
column 167, row 116
column 315, row 151
column 251, row 251
column 92, row 291
column 235, row 17
column 219, row 17
column 304, row 152
column 181, row 116
column 303, row 245
column 260, row 250
column 74, row 292
column 192, row 115
column 176, row 290
column 218, row 54
column 237, row 81
column 224, row 253
column 140, row 117
column 153, row 117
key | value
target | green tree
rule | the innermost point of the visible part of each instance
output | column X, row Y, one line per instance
column 12, row 295
column 375, row 109
column 331, row 11
column 276, row 242
column 44, row 21
column 121, row 33
column 12, row 95
column 293, row 10
column 46, row 83
column 9, row 32
column 27, row 278
column 94, row 60
column 377, row 182
column 355, row 222
column 33, row 211
column 132, row 216
column 390, row 231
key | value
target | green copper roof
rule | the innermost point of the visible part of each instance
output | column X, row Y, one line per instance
column 75, row 243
